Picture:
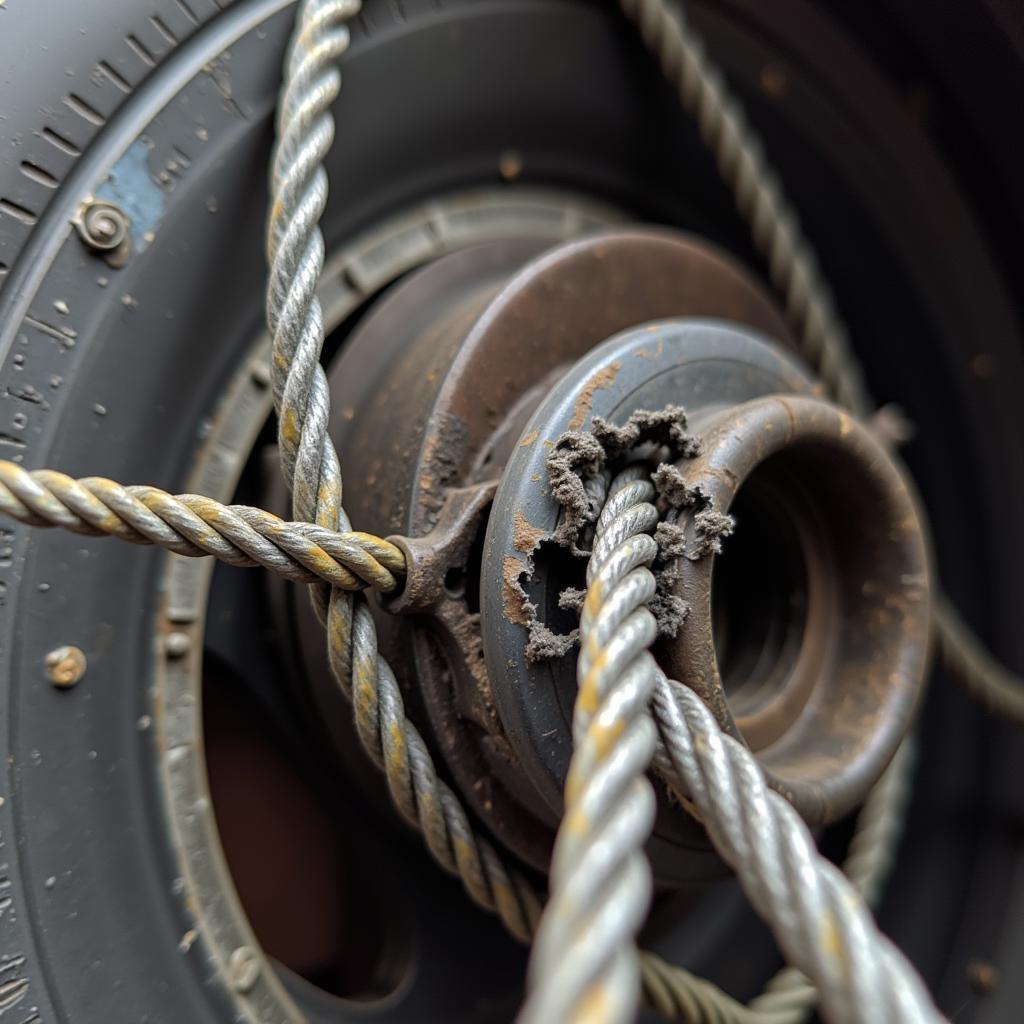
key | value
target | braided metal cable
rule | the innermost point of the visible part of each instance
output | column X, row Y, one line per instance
column 723, row 126
column 819, row 920
column 190, row 524
column 789, row 997
column 965, row 658
column 584, row 965
column 794, row 271
column 867, row 865
column 295, row 251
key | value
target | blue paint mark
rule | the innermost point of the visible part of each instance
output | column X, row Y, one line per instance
column 129, row 186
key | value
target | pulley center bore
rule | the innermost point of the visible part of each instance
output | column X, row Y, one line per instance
column 476, row 364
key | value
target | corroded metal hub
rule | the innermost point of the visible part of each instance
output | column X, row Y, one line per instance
column 822, row 617
column 824, row 638
column 442, row 375
column 806, row 637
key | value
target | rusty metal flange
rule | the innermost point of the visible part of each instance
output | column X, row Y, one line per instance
column 442, row 376
column 823, row 632
column 826, row 700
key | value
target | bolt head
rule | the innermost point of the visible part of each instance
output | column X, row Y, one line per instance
column 102, row 225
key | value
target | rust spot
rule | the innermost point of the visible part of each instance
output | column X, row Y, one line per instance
column 577, row 823
column 290, row 427
column 656, row 353
column 514, row 599
column 525, row 536
column 604, row 737
column 601, row 380
column 830, row 939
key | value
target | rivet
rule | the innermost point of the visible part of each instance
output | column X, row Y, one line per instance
column 65, row 665
column 177, row 645
column 983, row 977
column 243, row 969
column 510, row 165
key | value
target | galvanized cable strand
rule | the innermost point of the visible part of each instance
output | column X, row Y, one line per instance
column 759, row 197
column 584, row 965
column 795, row 273
column 190, row 524
column 867, row 865
column 677, row 993
column 818, row 918
column 425, row 801
column 964, row 657
column 789, row 997
column 821, row 924
column 295, row 251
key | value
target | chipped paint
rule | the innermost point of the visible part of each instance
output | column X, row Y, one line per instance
column 131, row 188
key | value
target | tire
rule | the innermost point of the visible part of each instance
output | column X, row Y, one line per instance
column 117, row 372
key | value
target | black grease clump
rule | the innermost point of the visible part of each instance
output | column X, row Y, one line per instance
column 709, row 524
column 576, row 465
column 710, row 527
column 669, row 610
column 664, row 429
column 547, row 645
column 576, row 458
